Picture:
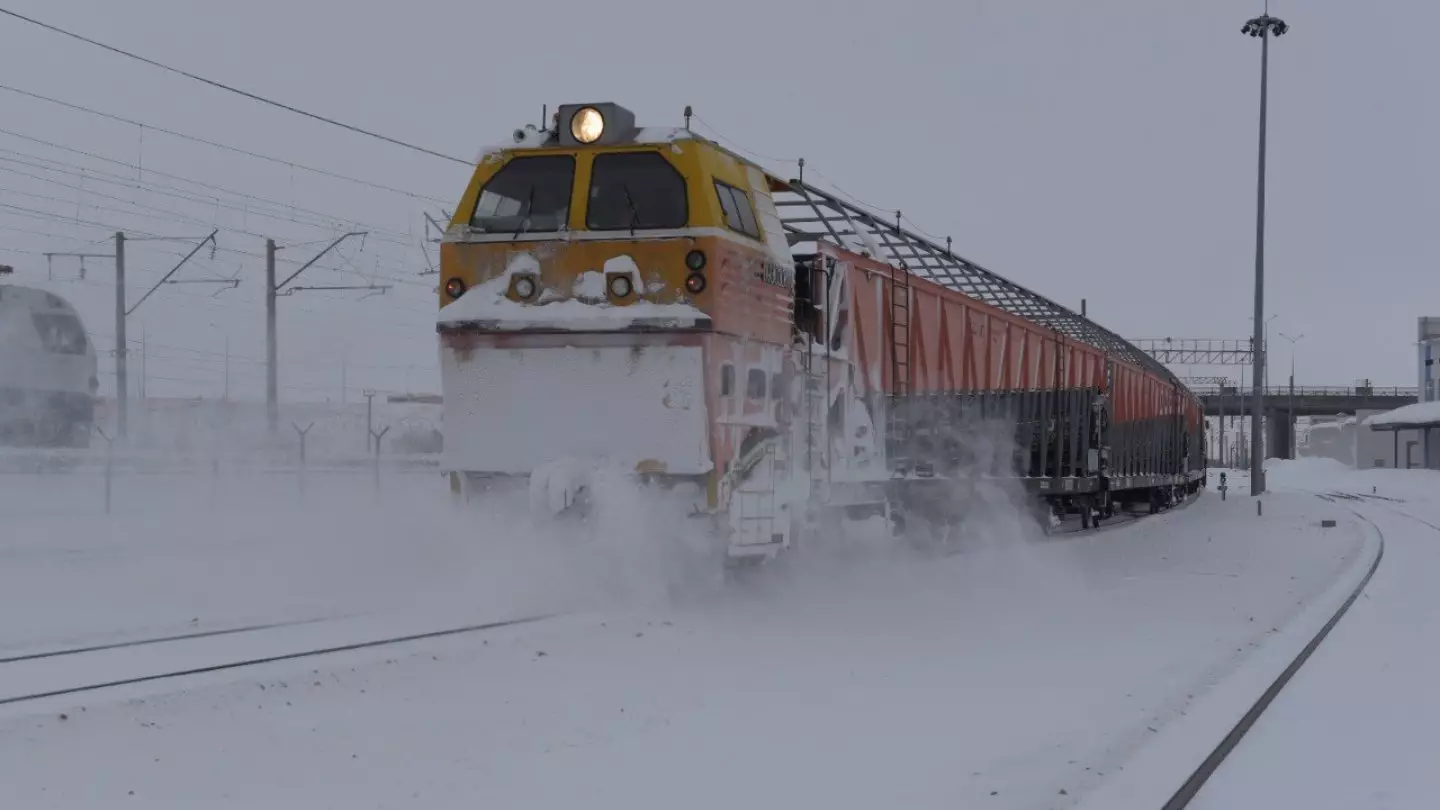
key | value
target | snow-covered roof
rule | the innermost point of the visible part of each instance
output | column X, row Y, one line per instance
column 1421, row 414
column 663, row 135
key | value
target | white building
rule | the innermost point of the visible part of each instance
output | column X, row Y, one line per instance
column 1349, row 440
column 1428, row 358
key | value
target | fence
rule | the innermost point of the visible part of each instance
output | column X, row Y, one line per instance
column 1312, row 391
column 112, row 478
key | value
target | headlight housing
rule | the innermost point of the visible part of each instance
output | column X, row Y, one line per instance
column 524, row 287
column 455, row 288
column 695, row 283
column 620, row 285
column 587, row 125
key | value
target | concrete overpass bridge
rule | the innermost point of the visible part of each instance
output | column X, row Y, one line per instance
column 1283, row 404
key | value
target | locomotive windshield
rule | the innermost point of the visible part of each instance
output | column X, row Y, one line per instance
column 527, row 194
column 635, row 190
column 739, row 215
column 60, row 334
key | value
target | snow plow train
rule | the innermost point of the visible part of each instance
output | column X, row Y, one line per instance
column 646, row 299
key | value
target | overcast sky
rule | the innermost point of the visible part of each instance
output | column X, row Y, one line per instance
column 1101, row 150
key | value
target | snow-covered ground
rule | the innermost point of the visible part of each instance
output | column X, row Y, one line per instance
column 1022, row 672
column 198, row 551
column 1357, row 725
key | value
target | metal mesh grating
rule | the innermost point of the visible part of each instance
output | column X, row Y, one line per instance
column 810, row 215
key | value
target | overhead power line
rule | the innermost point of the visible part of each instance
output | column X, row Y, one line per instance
column 74, row 221
column 216, row 144
column 236, row 90
column 85, row 173
column 325, row 221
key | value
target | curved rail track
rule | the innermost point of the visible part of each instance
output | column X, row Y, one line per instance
column 1192, row 786
column 1180, row 799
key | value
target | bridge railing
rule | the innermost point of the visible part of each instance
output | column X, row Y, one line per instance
column 1356, row 392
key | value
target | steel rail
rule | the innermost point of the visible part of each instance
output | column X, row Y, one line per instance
column 141, row 642
column 269, row 659
column 1187, row 792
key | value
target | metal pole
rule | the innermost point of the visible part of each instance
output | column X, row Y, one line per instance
column 1290, row 416
column 272, row 378
column 109, row 464
column 1267, row 350
column 377, row 437
column 369, row 421
column 1222, row 424
column 1257, row 450
column 302, row 433
column 122, row 388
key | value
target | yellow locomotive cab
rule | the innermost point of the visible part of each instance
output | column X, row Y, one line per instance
column 639, row 216
column 595, row 277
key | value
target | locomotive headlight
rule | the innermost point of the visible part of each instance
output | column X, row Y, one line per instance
column 587, row 125
column 695, row 260
column 695, row 283
column 455, row 288
column 524, row 287
column 620, row 285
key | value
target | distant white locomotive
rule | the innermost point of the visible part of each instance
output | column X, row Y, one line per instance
column 47, row 371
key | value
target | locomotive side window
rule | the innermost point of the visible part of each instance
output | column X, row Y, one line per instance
column 739, row 215
column 527, row 194
column 635, row 190
column 777, row 383
column 59, row 334
column 755, row 384
column 727, row 380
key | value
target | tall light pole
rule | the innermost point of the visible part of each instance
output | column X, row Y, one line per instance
column 1261, row 368
column 1290, row 407
column 1265, row 377
column 1265, row 345
column 1293, row 340
column 1263, row 27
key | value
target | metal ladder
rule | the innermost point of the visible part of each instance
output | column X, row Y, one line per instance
column 815, row 396
column 756, row 527
column 898, row 427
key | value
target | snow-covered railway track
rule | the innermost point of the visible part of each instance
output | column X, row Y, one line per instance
column 1212, row 762
column 81, row 655
column 142, row 642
